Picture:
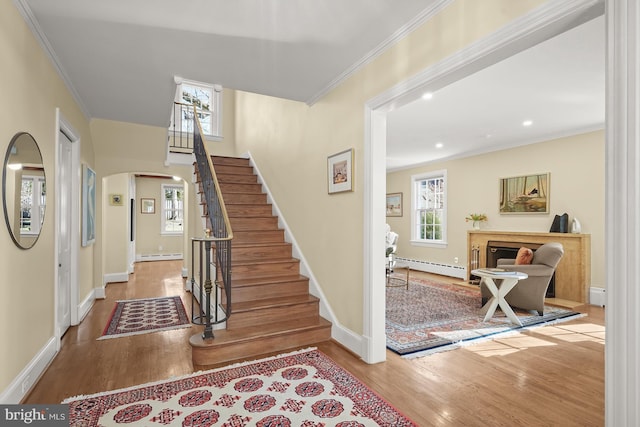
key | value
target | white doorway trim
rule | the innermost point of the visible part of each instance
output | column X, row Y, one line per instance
column 622, row 215
column 62, row 125
column 549, row 20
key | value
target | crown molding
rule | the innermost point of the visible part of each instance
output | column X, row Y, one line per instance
column 401, row 33
column 37, row 31
column 546, row 21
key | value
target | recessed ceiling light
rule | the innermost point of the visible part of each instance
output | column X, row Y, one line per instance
column 439, row 145
column 527, row 123
column 427, row 95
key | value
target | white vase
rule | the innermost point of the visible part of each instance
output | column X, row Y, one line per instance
column 476, row 225
column 575, row 226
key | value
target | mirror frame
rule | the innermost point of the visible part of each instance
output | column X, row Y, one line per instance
column 14, row 141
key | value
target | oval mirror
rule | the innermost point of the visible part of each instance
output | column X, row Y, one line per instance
column 24, row 190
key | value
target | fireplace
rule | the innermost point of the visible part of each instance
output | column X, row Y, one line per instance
column 572, row 278
column 497, row 250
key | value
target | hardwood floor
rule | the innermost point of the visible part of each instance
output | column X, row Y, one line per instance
column 550, row 376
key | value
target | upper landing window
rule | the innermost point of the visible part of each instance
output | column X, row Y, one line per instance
column 207, row 101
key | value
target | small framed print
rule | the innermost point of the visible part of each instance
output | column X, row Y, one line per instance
column 148, row 206
column 115, row 199
column 340, row 171
column 394, row 204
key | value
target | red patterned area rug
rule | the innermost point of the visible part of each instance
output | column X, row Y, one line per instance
column 432, row 316
column 305, row 388
column 141, row 316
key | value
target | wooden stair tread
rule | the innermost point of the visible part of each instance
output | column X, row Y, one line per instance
column 263, row 261
column 229, row 160
column 257, row 281
column 243, row 335
column 259, row 244
column 239, row 307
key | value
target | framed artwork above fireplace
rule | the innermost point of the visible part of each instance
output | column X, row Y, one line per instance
column 526, row 194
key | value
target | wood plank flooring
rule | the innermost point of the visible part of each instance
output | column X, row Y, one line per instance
column 550, row 376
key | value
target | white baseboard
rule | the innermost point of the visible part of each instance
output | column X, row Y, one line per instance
column 597, row 296
column 25, row 380
column 433, row 267
column 349, row 339
column 116, row 277
column 157, row 257
column 85, row 306
column 99, row 293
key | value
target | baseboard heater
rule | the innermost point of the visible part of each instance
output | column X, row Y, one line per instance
column 597, row 296
column 157, row 257
column 433, row 267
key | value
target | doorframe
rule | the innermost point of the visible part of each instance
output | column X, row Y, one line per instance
column 542, row 23
column 63, row 125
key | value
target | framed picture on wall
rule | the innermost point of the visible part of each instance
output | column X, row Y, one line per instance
column 340, row 171
column 394, row 204
column 526, row 194
column 148, row 206
column 116, row 200
column 88, row 205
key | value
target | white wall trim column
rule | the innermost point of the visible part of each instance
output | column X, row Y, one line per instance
column 622, row 229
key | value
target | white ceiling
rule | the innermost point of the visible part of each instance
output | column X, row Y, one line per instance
column 559, row 85
column 120, row 57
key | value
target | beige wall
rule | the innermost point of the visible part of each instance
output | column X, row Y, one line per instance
column 226, row 147
column 290, row 143
column 31, row 90
column 116, row 223
column 576, row 165
column 149, row 240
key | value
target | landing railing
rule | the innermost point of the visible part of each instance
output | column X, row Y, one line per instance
column 212, row 253
column 182, row 128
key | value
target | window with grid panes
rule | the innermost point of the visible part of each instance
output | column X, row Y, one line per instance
column 172, row 221
column 429, row 200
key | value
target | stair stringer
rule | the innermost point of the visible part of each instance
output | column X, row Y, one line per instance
column 353, row 341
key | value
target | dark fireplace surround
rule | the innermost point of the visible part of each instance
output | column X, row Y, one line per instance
column 497, row 250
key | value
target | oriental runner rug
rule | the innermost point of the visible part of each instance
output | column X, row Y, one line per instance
column 303, row 388
column 432, row 316
column 141, row 316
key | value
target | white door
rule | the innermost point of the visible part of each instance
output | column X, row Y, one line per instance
column 64, row 236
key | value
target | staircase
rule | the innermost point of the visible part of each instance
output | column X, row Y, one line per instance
column 272, row 307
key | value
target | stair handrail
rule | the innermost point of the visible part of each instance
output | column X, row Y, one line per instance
column 221, row 232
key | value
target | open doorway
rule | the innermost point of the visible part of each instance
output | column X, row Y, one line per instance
column 523, row 34
column 145, row 219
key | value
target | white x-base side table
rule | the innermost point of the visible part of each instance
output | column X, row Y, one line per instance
column 507, row 281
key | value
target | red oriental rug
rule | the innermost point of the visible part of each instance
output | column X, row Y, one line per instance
column 433, row 316
column 304, row 388
column 141, row 316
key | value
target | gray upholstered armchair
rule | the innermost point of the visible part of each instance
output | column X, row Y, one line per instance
column 529, row 293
